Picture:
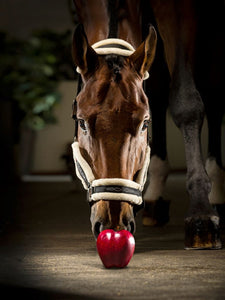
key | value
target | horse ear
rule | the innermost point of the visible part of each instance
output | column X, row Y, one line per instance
column 83, row 54
column 143, row 57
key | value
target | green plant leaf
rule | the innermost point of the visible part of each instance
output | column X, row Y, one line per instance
column 30, row 71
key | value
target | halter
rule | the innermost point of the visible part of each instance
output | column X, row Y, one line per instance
column 116, row 189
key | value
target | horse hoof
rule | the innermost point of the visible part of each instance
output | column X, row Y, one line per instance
column 156, row 213
column 202, row 232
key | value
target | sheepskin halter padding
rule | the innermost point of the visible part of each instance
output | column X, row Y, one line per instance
column 118, row 189
column 114, row 46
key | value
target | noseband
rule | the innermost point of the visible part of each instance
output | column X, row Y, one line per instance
column 110, row 188
column 118, row 189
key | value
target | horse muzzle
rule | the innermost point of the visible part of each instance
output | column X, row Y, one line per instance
column 112, row 192
column 112, row 215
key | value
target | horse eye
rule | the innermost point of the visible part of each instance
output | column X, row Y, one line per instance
column 145, row 125
column 82, row 124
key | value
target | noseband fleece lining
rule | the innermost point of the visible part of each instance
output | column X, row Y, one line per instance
column 110, row 188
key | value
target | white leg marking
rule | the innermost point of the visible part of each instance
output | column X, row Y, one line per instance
column 158, row 172
column 217, row 177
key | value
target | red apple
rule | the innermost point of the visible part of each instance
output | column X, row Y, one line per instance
column 115, row 248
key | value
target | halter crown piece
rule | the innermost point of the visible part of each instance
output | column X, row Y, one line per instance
column 117, row 189
column 114, row 46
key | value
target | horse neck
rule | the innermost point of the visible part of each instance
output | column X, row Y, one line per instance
column 129, row 22
column 96, row 16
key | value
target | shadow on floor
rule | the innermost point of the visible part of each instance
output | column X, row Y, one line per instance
column 15, row 292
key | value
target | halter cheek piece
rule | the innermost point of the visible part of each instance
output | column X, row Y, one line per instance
column 117, row 189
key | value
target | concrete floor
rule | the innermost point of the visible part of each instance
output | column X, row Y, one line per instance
column 49, row 253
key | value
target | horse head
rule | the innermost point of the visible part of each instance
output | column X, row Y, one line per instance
column 112, row 112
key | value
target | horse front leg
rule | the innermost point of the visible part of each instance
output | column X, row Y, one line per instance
column 156, row 210
column 209, row 77
column 187, row 109
column 214, row 168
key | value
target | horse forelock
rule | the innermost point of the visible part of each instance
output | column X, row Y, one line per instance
column 116, row 78
column 103, row 93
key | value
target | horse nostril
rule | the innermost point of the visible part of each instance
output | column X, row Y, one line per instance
column 132, row 227
column 125, row 222
column 97, row 229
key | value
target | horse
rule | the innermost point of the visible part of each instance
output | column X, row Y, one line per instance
column 114, row 47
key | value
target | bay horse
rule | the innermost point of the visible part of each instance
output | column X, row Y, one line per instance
column 114, row 48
